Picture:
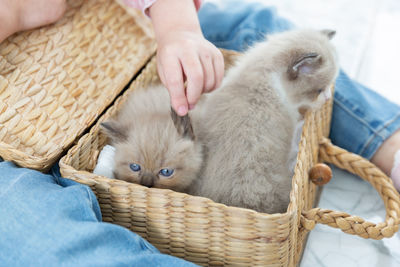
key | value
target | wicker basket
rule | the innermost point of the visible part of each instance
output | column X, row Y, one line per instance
column 207, row 233
column 55, row 81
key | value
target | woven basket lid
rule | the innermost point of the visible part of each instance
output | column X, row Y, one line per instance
column 55, row 81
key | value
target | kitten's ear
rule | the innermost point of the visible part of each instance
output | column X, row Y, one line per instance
column 305, row 64
column 114, row 130
column 329, row 33
column 183, row 124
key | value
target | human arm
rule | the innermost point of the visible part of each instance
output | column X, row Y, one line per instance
column 23, row 15
column 184, row 54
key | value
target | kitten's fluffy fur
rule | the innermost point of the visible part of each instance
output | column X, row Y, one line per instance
column 145, row 133
column 247, row 125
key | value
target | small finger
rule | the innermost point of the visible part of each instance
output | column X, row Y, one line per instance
column 195, row 78
column 219, row 68
column 209, row 73
column 173, row 76
column 160, row 71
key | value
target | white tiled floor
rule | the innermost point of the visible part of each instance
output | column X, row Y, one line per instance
column 328, row 247
column 379, row 67
column 368, row 45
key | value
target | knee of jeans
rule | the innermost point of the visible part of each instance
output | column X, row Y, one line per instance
column 240, row 41
column 82, row 203
column 242, row 25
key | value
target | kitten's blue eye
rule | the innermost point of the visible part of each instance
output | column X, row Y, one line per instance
column 166, row 172
column 135, row 167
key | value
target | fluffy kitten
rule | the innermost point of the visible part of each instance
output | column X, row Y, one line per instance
column 154, row 146
column 247, row 125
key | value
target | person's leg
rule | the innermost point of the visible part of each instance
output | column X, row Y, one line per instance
column 236, row 25
column 48, row 221
column 395, row 171
column 367, row 124
column 389, row 147
column 363, row 122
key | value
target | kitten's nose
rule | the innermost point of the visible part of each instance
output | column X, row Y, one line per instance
column 147, row 180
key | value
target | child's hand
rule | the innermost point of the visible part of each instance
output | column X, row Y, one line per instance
column 185, row 55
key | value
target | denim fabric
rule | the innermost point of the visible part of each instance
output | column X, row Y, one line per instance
column 236, row 25
column 49, row 221
column 361, row 118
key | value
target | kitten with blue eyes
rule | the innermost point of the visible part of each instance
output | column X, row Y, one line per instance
column 248, row 125
column 241, row 147
column 154, row 147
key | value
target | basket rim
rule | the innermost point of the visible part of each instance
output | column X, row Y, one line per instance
column 90, row 178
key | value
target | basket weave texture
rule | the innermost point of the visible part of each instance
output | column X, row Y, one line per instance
column 55, row 81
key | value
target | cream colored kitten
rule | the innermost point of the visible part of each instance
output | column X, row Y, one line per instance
column 248, row 124
column 154, row 147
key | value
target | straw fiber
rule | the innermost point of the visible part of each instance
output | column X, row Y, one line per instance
column 55, row 81
column 211, row 234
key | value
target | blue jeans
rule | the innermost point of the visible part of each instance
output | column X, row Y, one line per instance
column 48, row 220
column 51, row 221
